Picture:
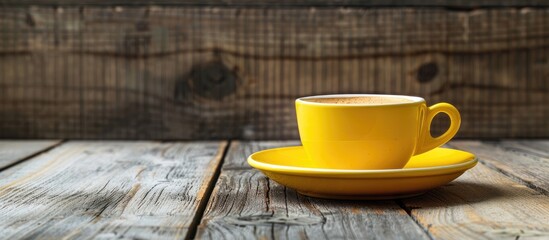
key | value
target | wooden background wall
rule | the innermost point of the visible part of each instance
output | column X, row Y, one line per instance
column 195, row 70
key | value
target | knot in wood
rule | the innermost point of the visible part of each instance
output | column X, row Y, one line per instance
column 213, row 80
column 427, row 72
column 142, row 26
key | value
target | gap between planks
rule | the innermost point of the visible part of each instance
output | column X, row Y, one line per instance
column 191, row 234
column 28, row 153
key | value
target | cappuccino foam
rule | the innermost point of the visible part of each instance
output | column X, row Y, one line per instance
column 360, row 100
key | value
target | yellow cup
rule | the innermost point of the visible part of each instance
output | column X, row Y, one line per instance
column 375, row 132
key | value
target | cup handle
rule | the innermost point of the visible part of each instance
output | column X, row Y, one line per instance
column 426, row 141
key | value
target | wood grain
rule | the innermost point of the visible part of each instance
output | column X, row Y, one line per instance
column 482, row 204
column 247, row 205
column 14, row 151
column 524, row 160
column 137, row 190
column 233, row 73
column 460, row 4
column 239, row 151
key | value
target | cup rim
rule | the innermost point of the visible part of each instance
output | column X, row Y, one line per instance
column 413, row 100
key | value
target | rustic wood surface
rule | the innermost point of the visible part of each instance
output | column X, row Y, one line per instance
column 241, row 150
column 108, row 190
column 204, row 190
column 526, row 160
column 459, row 4
column 246, row 205
column 482, row 204
column 12, row 151
column 172, row 72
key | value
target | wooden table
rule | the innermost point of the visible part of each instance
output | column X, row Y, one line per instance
column 166, row 190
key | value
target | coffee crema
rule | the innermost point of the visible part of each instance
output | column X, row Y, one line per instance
column 360, row 100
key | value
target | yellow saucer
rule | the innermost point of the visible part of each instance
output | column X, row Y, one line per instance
column 423, row 172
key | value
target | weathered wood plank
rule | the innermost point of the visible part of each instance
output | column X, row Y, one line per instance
column 239, row 151
column 482, row 204
column 524, row 160
column 199, row 72
column 275, row 34
column 289, row 3
column 138, row 190
column 14, row 151
column 246, row 205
